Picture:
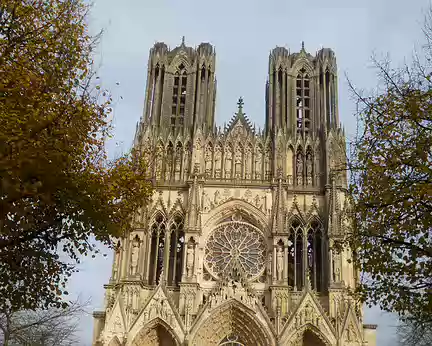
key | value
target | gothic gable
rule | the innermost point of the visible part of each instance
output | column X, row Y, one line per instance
column 308, row 315
column 115, row 325
column 239, row 125
column 351, row 332
column 231, row 318
column 159, row 306
column 313, row 213
column 296, row 212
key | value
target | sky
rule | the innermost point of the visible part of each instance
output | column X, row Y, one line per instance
column 243, row 33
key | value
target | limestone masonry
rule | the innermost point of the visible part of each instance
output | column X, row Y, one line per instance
column 235, row 247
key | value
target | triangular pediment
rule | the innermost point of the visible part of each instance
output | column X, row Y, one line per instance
column 295, row 211
column 158, row 207
column 309, row 315
column 158, row 306
column 351, row 331
column 313, row 212
column 239, row 124
column 116, row 322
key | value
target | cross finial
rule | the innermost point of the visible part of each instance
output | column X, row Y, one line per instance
column 240, row 102
column 303, row 45
column 183, row 41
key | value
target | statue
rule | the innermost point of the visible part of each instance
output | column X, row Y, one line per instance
column 217, row 197
column 280, row 263
column 117, row 252
column 309, row 164
column 190, row 260
column 336, row 267
column 230, row 290
column 134, row 255
column 206, row 202
column 337, row 275
column 299, row 169
column 269, row 265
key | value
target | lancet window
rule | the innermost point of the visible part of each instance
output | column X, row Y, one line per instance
column 175, row 263
column 303, row 106
column 156, row 92
column 295, row 256
column 315, row 253
column 179, row 98
column 157, row 249
column 306, row 256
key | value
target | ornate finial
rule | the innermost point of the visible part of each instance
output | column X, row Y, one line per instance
column 302, row 46
column 240, row 106
column 183, row 41
column 240, row 103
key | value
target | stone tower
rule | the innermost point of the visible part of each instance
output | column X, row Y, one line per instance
column 237, row 245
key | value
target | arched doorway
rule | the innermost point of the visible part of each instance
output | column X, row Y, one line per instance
column 231, row 325
column 155, row 334
column 311, row 339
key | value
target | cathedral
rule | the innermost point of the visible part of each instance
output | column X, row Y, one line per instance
column 241, row 243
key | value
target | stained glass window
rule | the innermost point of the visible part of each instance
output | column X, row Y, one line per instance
column 235, row 241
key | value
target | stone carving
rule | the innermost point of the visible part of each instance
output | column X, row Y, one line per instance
column 299, row 168
column 270, row 264
column 206, row 202
column 309, row 164
column 116, row 326
column 217, row 197
column 117, row 254
column 190, row 259
column 247, row 165
column 280, row 263
column 336, row 267
column 134, row 255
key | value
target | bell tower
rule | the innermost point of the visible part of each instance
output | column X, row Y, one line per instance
column 181, row 88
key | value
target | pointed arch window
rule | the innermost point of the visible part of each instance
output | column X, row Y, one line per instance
column 175, row 264
column 303, row 103
column 179, row 98
column 157, row 249
column 296, row 255
column 316, row 252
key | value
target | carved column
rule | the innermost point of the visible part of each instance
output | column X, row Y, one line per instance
column 125, row 259
column 167, row 248
column 285, row 274
column 274, row 271
column 147, row 257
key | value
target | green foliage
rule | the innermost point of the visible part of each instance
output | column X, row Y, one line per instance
column 391, row 172
column 58, row 190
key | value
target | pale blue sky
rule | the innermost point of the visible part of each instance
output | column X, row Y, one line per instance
column 243, row 32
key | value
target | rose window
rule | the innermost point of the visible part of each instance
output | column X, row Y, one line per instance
column 233, row 242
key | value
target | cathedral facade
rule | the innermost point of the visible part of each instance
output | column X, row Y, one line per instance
column 238, row 245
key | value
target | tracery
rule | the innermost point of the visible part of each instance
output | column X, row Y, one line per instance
column 235, row 241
